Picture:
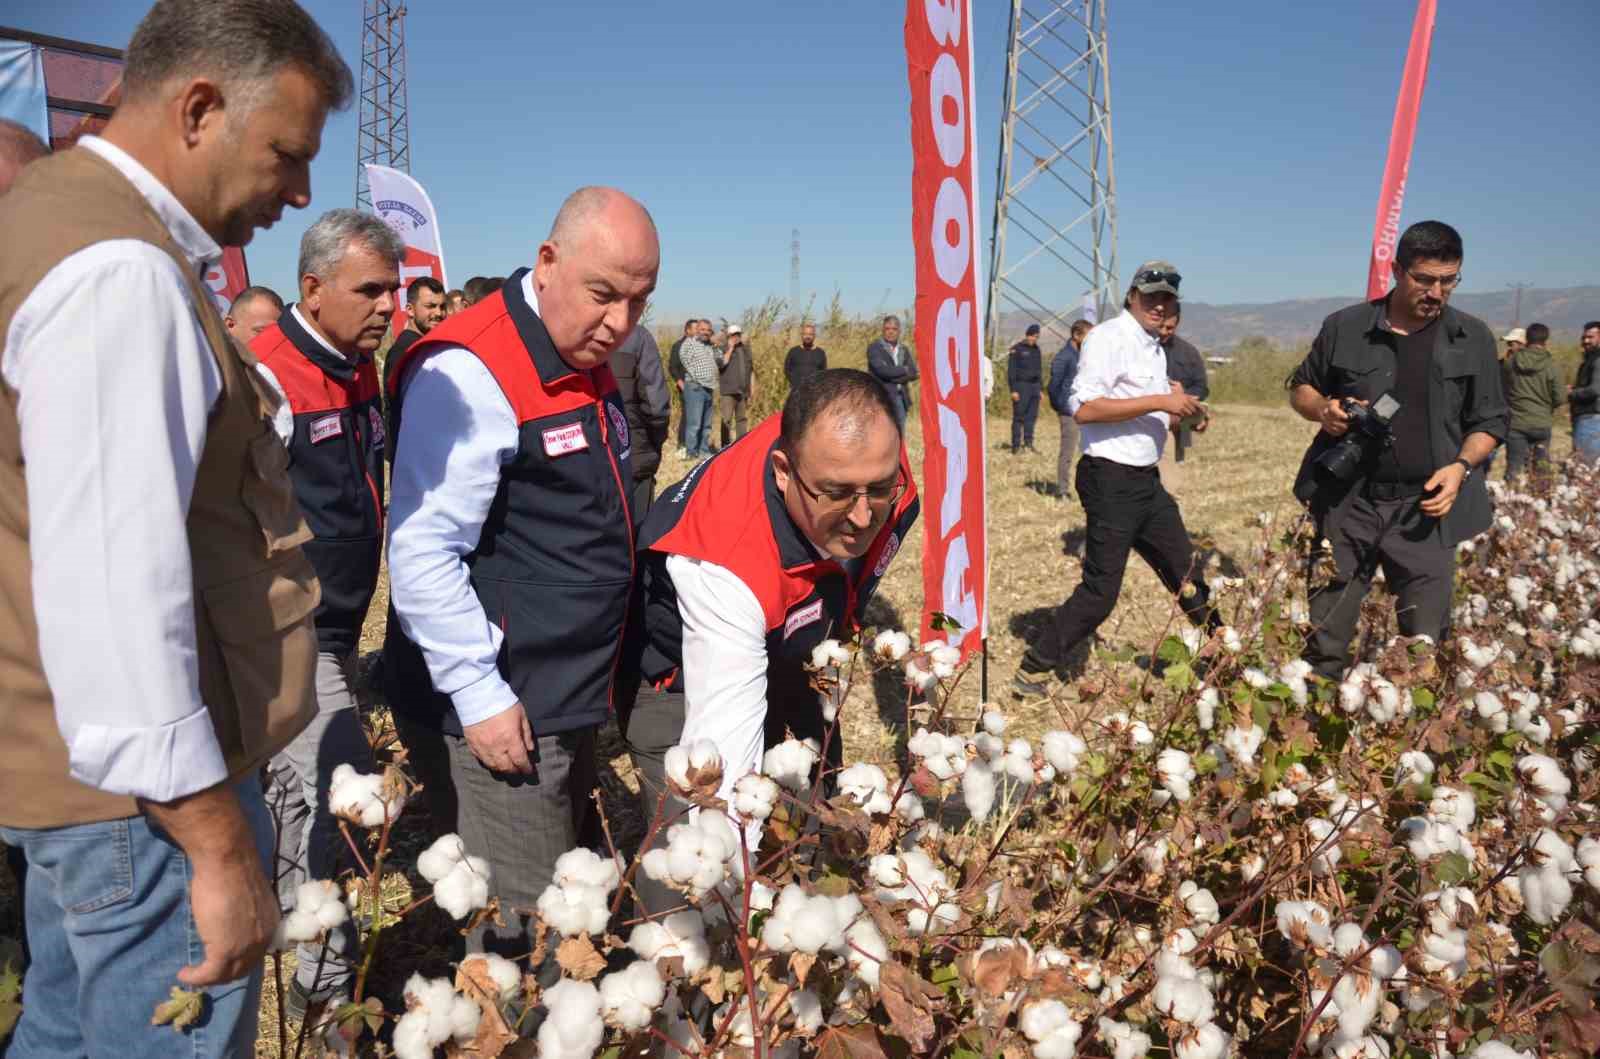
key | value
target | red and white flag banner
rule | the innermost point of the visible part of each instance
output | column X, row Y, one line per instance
column 1386, row 231
column 949, row 323
column 229, row 279
column 406, row 208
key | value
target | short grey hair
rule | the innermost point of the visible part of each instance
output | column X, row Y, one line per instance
column 330, row 237
column 233, row 42
column 892, row 320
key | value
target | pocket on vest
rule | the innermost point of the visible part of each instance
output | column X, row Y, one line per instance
column 262, row 663
column 269, row 495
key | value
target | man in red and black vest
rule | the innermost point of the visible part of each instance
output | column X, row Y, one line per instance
column 318, row 356
column 772, row 546
column 511, row 549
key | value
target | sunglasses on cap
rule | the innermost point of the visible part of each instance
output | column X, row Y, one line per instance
column 1156, row 276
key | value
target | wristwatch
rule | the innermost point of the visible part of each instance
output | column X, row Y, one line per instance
column 1464, row 466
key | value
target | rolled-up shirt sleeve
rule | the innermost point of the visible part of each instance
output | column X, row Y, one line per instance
column 115, row 383
column 724, row 665
column 1486, row 411
column 1099, row 367
column 456, row 432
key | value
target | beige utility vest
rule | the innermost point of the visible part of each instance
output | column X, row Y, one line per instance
column 254, row 591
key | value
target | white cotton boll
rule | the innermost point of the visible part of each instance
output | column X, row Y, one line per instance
column 573, row 1028
column 1184, row 1000
column 1426, row 838
column 1176, row 773
column 629, row 997
column 1125, row 1041
column 1306, row 923
column 410, row 1039
column 1415, row 766
column 891, row 645
column 1282, row 798
column 1370, row 1046
column 1496, row 1050
column 1202, row 1042
column 1205, row 706
column 1242, row 743
column 1136, row 733
column 978, row 790
column 701, row 757
column 359, row 797
column 867, row 786
column 865, row 949
column 1153, row 855
column 919, row 676
column 1199, row 902
column 989, row 747
column 790, row 762
column 1049, row 1025
column 829, row 653
column 1064, row 751
column 807, row 1008
column 1454, row 806
column 505, row 975
column 1193, row 639
column 1444, row 953
column 944, row 658
column 438, row 859
column 909, row 807
column 1546, row 891
column 994, row 722
column 465, row 889
column 1018, row 761
column 1491, row 711
column 574, row 909
column 681, row 934
column 1231, row 641
column 585, row 866
column 1545, row 780
column 1325, row 857
column 755, row 796
column 1588, row 858
column 1251, row 867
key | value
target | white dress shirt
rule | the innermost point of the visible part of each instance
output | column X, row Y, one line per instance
column 1121, row 359
column 457, row 432
column 116, row 381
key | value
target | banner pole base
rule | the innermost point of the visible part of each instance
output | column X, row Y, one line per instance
column 983, row 672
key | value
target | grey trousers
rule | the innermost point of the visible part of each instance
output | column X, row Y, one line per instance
column 519, row 824
column 1067, row 458
column 308, row 840
column 654, row 726
column 1417, row 565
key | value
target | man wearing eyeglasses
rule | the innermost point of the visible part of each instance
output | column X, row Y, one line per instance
column 750, row 562
column 1125, row 406
column 1411, row 499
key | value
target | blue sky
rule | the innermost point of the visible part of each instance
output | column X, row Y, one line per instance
column 1250, row 136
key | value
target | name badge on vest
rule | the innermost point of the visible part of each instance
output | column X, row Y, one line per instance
column 329, row 426
column 806, row 615
column 558, row 441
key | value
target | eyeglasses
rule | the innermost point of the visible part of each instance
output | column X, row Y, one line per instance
column 835, row 501
column 1427, row 282
column 1155, row 276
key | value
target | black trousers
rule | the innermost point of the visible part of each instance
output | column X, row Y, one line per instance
column 1419, row 568
column 1128, row 511
column 1024, row 413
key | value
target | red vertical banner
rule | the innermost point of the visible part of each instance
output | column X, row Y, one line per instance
column 228, row 278
column 949, row 325
column 1391, row 197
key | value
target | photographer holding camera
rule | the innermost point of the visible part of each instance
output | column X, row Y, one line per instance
column 1409, row 396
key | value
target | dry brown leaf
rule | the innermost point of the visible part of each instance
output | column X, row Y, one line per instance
column 909, row 1000
column 850, row 1042
column 474, row 981
column 800, row 964
column 577, row 957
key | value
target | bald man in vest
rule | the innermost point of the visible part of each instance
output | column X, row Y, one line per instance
column 511, row 547
column 157, row 604
column 745, row 566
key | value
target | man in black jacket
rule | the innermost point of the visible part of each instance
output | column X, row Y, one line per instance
column 1025, row 377
column 637, row 367
column 1583, row 399
column 1187, row 368
column 1403, row 503
column 806, row 359
column 895, row 366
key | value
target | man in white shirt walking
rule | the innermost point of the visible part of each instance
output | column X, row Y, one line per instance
column 511, row 547
column 748, row 564
column 157, row 605
column 1124, row 405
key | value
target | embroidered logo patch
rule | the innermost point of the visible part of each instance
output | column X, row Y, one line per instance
column 807, row 614
column 890, row 549
column 329, row 426
column 558, row 441
column 377, row 428
column 619, row 423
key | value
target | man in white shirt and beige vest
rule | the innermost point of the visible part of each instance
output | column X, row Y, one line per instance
column 1125, row 406
column 156, row 626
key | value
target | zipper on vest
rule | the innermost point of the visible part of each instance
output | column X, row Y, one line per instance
column 366, row 469
column 627, row 521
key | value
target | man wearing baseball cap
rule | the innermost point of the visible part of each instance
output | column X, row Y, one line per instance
column 1125, row 406
column 1025, row 375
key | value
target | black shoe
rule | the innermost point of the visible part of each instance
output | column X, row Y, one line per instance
column 1025, row 685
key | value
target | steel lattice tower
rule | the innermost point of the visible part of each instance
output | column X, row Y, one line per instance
column 1056, row 189
column 384, row 134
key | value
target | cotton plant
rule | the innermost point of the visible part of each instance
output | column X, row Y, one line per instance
column 318, row 908
column 435, row 1014
column 365, row 799
column 576, row 901
column 460, row 881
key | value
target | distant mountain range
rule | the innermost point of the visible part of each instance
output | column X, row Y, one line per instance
column 1219, row 328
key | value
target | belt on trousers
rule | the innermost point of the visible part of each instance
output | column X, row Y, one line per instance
column 1392, row 490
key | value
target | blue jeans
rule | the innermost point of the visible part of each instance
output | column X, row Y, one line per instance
column 109, row 926
column 697, row 415
column 1586, row 436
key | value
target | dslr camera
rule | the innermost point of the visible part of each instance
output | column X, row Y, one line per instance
column 1369, row 431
